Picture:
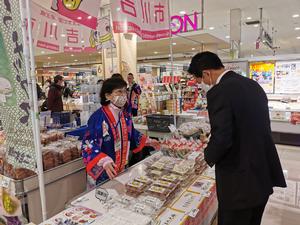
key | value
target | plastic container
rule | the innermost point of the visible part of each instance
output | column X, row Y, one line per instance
column 159, row 123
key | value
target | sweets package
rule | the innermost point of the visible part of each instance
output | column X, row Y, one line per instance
column 51, row 136
column 17, row 173
column 60, row 152
column 159, row 192
column 180, row 147
column 135, row 188
column 74, row 216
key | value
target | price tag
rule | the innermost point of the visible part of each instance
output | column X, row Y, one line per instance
column 193, row 213
column 101, row 194
column 5, row 182
column 172, row 128
column 193, row 156
column 139, row 208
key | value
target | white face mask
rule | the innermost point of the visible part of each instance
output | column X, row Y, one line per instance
column 119, row 101
column 205, row 87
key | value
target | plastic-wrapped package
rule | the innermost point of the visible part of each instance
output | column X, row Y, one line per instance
column 144, row 179
column 159, row 192
column 135, row 188
column 50, row 158
column 17, row 173
column 166, row 184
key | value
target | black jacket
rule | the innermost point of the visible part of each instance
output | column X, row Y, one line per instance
column 54, row 102
column 241, row 145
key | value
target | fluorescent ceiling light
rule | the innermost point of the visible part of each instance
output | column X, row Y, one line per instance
column 211, row 28
column 249, row 18
column 295, row 15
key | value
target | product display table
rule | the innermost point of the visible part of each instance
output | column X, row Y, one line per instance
column 195, row 203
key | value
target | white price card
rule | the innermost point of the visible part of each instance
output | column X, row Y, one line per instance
column 193, row 213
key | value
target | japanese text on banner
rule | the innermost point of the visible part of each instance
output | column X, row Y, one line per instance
column 14, row 98
column 147, row 18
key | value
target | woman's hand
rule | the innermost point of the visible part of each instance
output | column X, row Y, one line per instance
column 110, row 169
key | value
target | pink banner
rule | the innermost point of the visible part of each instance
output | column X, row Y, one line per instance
column 83, row 12
column 57, row 33
column 147, row 18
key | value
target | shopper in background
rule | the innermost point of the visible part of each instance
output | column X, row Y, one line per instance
column 39, row 91
column 134, row 92
column 111, row 137
column 46, row 87
column 241, row 145
column 67, row 92
column 54, row 102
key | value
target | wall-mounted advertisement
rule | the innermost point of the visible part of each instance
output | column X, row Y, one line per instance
column 287, row 77
column 263, row 73
column 238, row 67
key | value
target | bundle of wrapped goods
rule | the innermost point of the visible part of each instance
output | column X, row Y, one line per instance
column 180, row 147
column 192, row 128
column 51, row 136
column 60, row 152
column 17, row 173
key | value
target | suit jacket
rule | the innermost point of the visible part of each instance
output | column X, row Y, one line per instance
column 241, row 146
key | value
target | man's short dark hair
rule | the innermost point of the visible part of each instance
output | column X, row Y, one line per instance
column 109, row 86
column 204, row 61
column 130, row 74
column 58, row 78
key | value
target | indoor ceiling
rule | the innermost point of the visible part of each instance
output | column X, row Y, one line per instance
column 282, row 15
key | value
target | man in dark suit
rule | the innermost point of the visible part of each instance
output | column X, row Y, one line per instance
column 240, row 146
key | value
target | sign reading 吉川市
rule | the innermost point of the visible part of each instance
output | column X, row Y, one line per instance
column 150, row 19
column 14, row 97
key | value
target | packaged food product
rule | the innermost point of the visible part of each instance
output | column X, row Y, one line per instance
column 159, row 192
column 158, row 165
column 155, row 173
column 135, row 188
column 144, row 179
column 22, row 173
column 172, row 178
column 50, row 159
column 165, row 184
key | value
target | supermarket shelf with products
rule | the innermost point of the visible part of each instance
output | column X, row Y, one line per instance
column 139, row 197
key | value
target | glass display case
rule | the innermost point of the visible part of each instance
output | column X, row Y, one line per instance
column 141, row 195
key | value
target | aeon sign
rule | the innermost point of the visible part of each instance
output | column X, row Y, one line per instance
column 186, row 23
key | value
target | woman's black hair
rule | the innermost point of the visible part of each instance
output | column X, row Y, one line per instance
column 109, row 86
column 117, row 75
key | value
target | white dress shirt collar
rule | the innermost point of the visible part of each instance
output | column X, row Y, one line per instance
column 221, row 76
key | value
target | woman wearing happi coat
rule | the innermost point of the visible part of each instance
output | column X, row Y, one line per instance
column 110, row 138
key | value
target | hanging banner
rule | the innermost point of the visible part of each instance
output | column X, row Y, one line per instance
column 57, row 33
column 149, row 19
column 287, row 77
column 263, row 73
column 102, row 38
column 82, row 12
column 14, row 98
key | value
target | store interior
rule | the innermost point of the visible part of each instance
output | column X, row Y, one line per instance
column 250, row 37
